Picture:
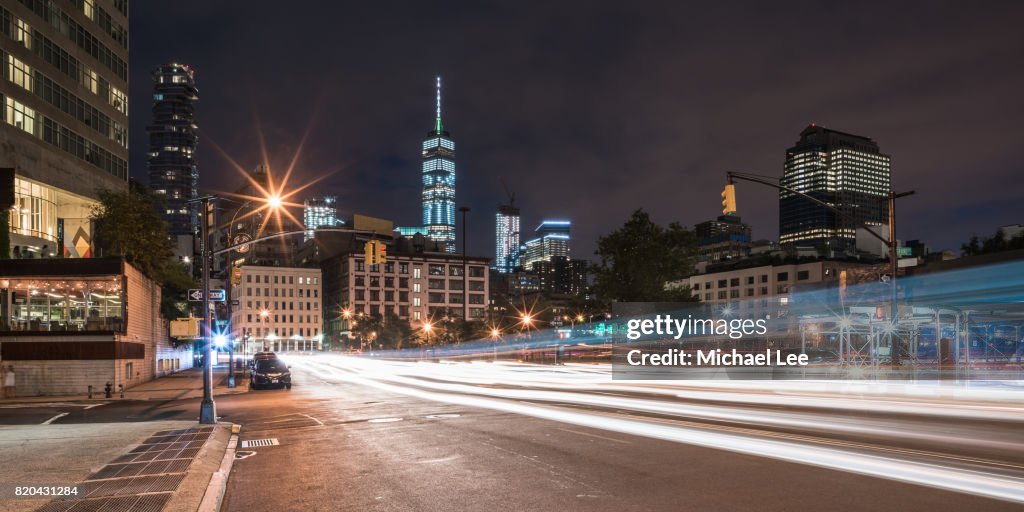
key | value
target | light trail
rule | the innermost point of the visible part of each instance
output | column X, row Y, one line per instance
column 970, row 481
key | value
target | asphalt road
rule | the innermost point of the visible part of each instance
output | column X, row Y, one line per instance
column 366, row 435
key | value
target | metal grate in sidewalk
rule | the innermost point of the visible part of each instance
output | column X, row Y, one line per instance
column 142, row 480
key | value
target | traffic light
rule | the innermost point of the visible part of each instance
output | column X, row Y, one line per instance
column 369, row 253
column 236, row 276
column 729, row 199
column 375, row 252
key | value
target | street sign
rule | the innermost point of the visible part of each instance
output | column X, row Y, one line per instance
column 217, row 295
column 904, row 251
column 235, row 302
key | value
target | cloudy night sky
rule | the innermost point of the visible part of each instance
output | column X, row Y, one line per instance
column 590, row 110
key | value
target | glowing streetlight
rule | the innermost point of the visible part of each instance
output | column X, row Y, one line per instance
column 579, row 318
column 274, row 201
column 265, row 313
column 427, row 327
column 495, row 333
column 220, row 340
column 346, row 313
column 527, row 319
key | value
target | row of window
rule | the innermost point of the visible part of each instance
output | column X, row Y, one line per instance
column 254, row 291
column 40, row 85
column 433, row 284
column 60, row 59
column 303, row 319
column 403, row 311
column 433, row 297
column 801, row 275
column 432, row 269
column 64, row 24
column 264, row 332
column 282, row 279
column 282, row 305
column 20, row 116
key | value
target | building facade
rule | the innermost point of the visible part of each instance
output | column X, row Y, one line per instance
column 65, row 124
column 844, row 170
column 279, row 309
column 439, row 182
column 561, row 276
column 506, row 234
column 319, row 212
column 552, row 239
column 173, row 172
column 416, row 284
column 68, row 324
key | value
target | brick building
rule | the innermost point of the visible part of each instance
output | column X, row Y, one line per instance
column 66, row 324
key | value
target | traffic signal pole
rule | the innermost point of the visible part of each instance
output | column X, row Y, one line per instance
column 728, row 196
column 207, row 409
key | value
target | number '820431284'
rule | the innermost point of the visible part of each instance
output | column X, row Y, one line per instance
column 46, row 490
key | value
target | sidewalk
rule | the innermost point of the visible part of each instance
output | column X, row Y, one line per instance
column 183, row 384
column 168, row 465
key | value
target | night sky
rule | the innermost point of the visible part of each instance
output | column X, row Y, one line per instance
column 589, row 110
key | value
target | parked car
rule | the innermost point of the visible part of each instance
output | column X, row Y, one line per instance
column 270, row 372
column 259, row 356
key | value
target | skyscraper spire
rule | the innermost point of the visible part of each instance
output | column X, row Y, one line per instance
column 437, row 124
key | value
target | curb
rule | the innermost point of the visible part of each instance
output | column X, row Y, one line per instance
column 218, row 486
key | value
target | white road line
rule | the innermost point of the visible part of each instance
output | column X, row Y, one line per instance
column 93, row 405
column 312, row 418
column 594, row 435
column 55, row 418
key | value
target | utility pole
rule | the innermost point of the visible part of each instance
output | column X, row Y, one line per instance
column 728, row 196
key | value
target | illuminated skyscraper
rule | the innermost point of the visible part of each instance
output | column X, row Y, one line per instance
column 439, row 182
column 320, row 212
column 552, row 240
column 173, row 173
column 506, row 226
column 847, row 171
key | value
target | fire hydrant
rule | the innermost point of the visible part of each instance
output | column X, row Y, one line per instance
column 108, row 390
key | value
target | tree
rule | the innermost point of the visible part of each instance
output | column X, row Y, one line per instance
column 638, row 259
column 996, row 243
column 128, row 225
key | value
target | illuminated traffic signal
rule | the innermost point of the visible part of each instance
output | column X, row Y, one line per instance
column 382, row 252
column 236, row 276
column 729, row 199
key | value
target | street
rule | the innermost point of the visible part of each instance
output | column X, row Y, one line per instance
column 364, row 434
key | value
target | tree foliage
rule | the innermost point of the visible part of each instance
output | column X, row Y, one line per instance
column 996, row 243
column 637, row 260
column 127, row 224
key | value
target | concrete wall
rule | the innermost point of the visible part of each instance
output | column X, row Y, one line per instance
column 40, row 378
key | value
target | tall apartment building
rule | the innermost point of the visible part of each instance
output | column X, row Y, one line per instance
column 561, row 276
column 506, row 235
column 173, row 172
column 319, row 212
column 847, row 171
column 279, row 309
column 65, row 123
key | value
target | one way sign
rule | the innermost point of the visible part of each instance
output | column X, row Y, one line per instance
column 217, row 295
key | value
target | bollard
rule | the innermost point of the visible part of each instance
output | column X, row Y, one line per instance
column 90, row 390
column 108, row 390
column 121, row 388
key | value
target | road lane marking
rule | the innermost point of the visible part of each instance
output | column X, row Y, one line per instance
column 383, row 420
column 318, row 422
column 594, row 435
column 55, row 418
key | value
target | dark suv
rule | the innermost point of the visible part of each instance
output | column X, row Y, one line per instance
column 270, row 373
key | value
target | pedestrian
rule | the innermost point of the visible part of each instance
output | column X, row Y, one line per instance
column 9, row 382
column 17, row 252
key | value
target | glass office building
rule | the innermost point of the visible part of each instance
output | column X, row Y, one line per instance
column 439, row 181
column 64, row 128
column 173, row 173
column 844, row 170
column 506, row 231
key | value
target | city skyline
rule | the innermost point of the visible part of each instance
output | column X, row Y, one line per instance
column 634, row 113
